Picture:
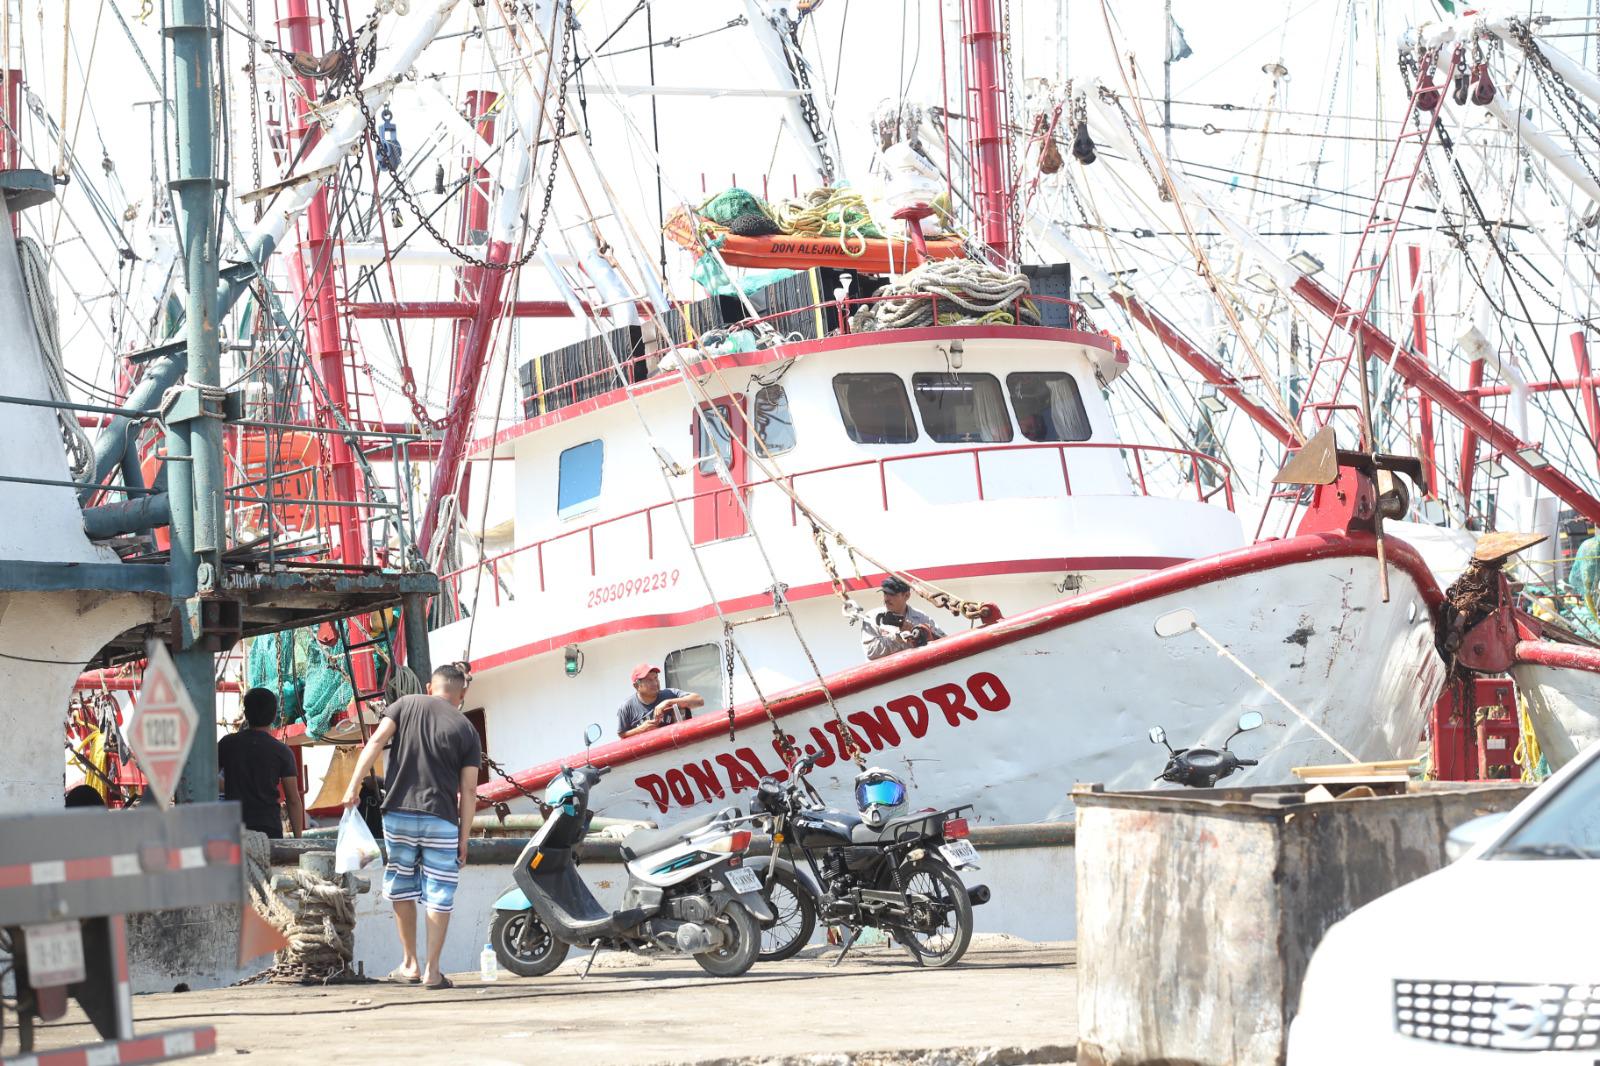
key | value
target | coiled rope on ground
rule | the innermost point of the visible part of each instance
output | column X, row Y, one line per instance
column 964, row 291
column 316, row 915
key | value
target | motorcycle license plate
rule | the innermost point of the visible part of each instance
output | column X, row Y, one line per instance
column 55, row 954
column 742, row 880
column 958, row 853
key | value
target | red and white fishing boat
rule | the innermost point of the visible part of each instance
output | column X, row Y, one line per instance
column 1082, row 538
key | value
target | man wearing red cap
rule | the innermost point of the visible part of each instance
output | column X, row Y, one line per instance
column 651, row 706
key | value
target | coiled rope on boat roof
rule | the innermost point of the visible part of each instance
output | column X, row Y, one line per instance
column 970, row 291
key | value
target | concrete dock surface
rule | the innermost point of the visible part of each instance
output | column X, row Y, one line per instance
column 1008, row 1001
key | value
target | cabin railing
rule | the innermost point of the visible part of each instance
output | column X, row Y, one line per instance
column 829, row 318
column 1209, row 476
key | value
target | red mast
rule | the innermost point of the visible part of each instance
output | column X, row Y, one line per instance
column 470, row 280
column 988, row 140
column 319, row 276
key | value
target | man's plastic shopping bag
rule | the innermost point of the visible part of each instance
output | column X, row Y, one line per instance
column 356, row 848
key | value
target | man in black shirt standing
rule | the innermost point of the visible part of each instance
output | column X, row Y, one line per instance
column 431, row 786
column 254, row 763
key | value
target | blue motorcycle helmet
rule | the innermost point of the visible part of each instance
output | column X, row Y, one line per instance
column 877, row 793
column 559, row 793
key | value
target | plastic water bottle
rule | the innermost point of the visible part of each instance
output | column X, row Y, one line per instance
column 488, row 965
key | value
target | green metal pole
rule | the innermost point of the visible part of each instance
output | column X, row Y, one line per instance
column 194, row 418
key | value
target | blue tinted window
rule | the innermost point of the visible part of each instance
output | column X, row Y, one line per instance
column 579, row 477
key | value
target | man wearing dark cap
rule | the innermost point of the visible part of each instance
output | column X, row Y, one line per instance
column 899, row 625
column 651, row 706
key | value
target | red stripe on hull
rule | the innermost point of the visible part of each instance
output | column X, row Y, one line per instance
column 1266, row 555
column 806, row 592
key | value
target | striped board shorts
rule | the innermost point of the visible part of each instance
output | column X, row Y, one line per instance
column 423, row 862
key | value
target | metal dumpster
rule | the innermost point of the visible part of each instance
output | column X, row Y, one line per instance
column 1198, row 910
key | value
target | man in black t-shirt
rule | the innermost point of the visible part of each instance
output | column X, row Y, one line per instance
column 254, row 764
column 431, row 794
column 652, row 705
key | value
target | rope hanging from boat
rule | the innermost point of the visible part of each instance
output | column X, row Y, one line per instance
column 972, row 292
column 41, row 308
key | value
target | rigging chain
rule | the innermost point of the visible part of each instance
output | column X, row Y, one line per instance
column 798, row 66
column 563, row 72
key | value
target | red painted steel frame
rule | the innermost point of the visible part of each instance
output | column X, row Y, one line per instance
column 401, row 309
column 1419, row 340
column 1420, row 376
column 1209, row 369
column 1591, row 403
column 470, row 280
column 991, row 187
column 464, row 396
column 318, row 285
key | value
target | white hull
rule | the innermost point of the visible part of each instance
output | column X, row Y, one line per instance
column 1011, row 717
column 1562, row 686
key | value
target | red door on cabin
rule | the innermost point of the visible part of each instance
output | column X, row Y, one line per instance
column 716, row 510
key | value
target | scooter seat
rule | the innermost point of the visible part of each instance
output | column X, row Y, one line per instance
column 644, row 841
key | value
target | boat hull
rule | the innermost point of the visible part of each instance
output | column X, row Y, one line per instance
column 1561, row 683
column 1011, row 717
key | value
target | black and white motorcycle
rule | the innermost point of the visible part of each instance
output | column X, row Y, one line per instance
column 865, row 868
column 688, row 892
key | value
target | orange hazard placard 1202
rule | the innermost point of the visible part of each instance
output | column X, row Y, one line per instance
column 163, row 725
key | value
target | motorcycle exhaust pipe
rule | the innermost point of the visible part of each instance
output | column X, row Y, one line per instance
column 978, row 895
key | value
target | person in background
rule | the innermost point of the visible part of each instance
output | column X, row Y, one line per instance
column 255, row 764
column 430, row 796
column 651, row 706
column 899, row 625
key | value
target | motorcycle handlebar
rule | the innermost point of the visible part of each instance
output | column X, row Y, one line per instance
column 1248, row 762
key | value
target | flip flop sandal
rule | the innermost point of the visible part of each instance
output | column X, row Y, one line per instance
column 444, row 982
column 399, row 977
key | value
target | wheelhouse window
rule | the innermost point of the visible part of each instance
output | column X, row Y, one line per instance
column 874, row 408
column 962, row 408
column 1048, row 406
column 578, row 478
column 774, row 424
column 698, row 670
column 712, row 438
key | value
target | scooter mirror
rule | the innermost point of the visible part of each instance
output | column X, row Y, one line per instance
column 1158, row 735
column 591, row 734
column 1250, row 720
column 1176, row 623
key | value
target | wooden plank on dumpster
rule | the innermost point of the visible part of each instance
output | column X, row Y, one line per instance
column 1356, row 773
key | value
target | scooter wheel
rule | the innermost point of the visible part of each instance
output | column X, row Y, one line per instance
column 543, row 952
column 739, row 953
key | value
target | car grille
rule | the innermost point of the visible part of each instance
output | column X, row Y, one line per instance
column 1508, row 1017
